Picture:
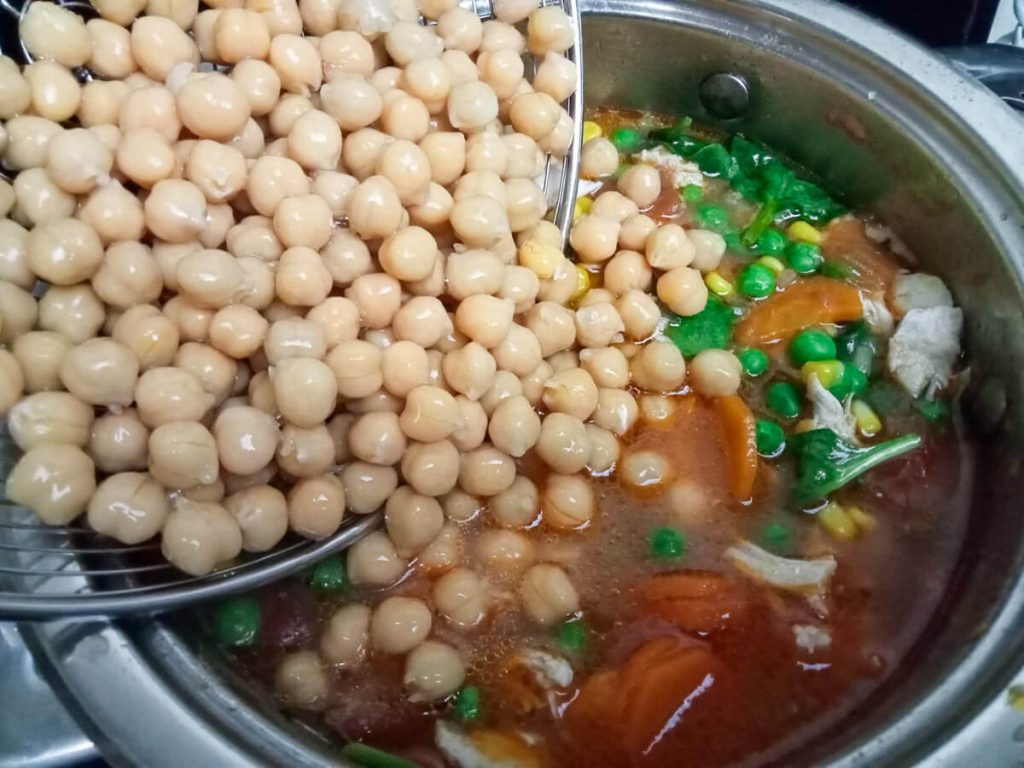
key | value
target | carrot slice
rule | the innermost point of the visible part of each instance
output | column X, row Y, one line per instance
column 812, row 301
column 695, row 601
column 738, row 431
column 847, row 242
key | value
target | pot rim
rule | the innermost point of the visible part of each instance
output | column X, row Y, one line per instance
column 145, row 696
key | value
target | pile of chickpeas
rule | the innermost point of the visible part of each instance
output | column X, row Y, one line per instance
column 276, row 262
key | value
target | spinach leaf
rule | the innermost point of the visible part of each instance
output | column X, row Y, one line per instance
column 708, row 329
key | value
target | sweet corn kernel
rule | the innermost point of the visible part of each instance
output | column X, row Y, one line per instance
column 772, row 263
column 804, row 425
column 591, row 130
column 582, row 207
column 801, row 230
column 582, row 283
column 827, row 371
column 863, row 520
column 867, row 420
column 718, row 285
column 542, row 258
column 837, row 521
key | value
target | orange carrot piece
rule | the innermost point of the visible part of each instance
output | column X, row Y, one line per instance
column 695, row 601
column 738, row 431
column 809, row 302
column 848, row 243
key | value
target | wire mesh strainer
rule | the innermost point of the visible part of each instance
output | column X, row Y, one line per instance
column 73, row 571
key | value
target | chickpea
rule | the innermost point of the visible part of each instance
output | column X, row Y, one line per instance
column 15, row 94
column 304, row 221
column 505, row 551
column 240, row 34
column 469, row 370
column 639, row 312
column 658, row 367
column 367, row 486
column 151, row 337
column 486, row 153
column 175, row 210
column 218, row 170
column 375, row 210
column 404, row 366
column 430, row 414
column 100, row 102
column 150, row 107
column 668, row 247
column 548, row 595
column 473, row 272
column 604, row 450
column 345, row 53
column 498, row 35
column 165, row 395
column 346, row 257
column 471, row 106
column 460, row 596
column 434, row 212
column 683, row 291
column 433, row 671
column 399, row 624
column 335, row 188
column 407, row 40
column 271, row 180
column 181, row 12
column 708, row 249
column 144, row 156
column 513, row 11
column 63, row 252
column 517, row 506
column 119, row 442
column 193, row 321
column 246, row 439
column 472, row 424
column 295, row 337
column 182, row 455
column 52, row 32
column 569, row 503
column 238, row 331
column 114, row 214
column 372, row 560
column 715, row 373
column 38, row 355
column 598, row 325
column 306, row 452
column 571, row 391
column 352, row 102
column 409, row 254
column 14, row 266
column 127, row 276
column 213, row 106
column 607, row 366
column 484, row 319
column 432, row 469
column 594, row 238
column 77, row 161
column 460, row 29
column 282, row 16
column 429, row 80
column 553, row 325
column 101, row 372
column 305, row 390
column 616, row 411
column 525, row 160
column 533, row 382
column 412, row 520
column 28, row 138
column 346, row 637
column 130, row 507
column 596, row 296
column 338, row 320
column 378, row 298
column 260, row 84
column 316, row 506
column 300, row 681
column 314, row 141
column 357, row 368
column 645, row 471
column 49, row 418
column 56, row 94
column 562, row 444
column 54, row 480
column 302, row 280
column 460, row 507
column 549, row 29
column 556, row 76
column 626, row 271
column 486, row 471
column 519, row 285
column 297, row 62
column 18, row 312
column 158, row 44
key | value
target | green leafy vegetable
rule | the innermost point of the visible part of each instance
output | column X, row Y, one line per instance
column 708, row 329
column 714, row 160
column 371, row 757
column 680, row 130
column 827, row 462
column 858, row 346
column 467, row 703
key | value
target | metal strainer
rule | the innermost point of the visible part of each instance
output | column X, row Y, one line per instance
column 50, row 572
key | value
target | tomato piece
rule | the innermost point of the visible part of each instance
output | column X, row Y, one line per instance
column 694, row 601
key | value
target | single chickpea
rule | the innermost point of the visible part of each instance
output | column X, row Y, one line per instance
column 525, row 159
column 513, row 11
column 238, row 331
column 375, row 209
column 432, row 469
column 563, row 444
column 598, row 325
column 378, row 298
column 357, row 367
column 516, row 507
column 514, row 426
column 412, row 520
column 101, row 372
column 408, row 254
column 548, row 595
column 54, row 480
column 306, row 452
column 152, row 337
column 218, row 170
column 19, row 311
column 297, row 63
column 526, row 204
column 594, row 238
column 158, row 44
column 28, row 138
column 607, row 366
column 641, row 184
column 15, row 93
column 627, row 270
column 128, row 275
column 38, row 355
column 372, row 560
column 616, row 411
column 352, row 102
column 164, row 395
column 193, row 321
column 498, row 35
column 715, row 373
column 48, row 417
column 335, row 188
column 683, row 291
column 294, row 337
column 505, row 551
column 658, row 367
column 151, row 107
column 130, row 507
column 708, row 249
column 183, row 454
column 568, row 503
column 404, row 366
column 77, row 161
column 345, row 52
column 101, row 102
column 144, row 156
column 486, row 471
column 346, row 637
column 367, row 486
column 487, row 153
column 241, row 34
column 433, row 671
column 428, row 80
column 118, row 442
column 472, row 426
column 314, row 141
column 316, row 506
column 571, row 391
column 246, row 439
column 399, row 624
column 260, row 84
column 460, row 596
column 50, row 31
column 305, row 390
column 639, row 312
column 176, row 210
column 604, row 450
column 549, row 29
column 430, row 414
column 56, row 94
column 556, row 76
column 471, row 106
column 114, row 214
column 64, row 252
column 271, row 180
column 302, row 280
column 306, row 221
column 460, row 29
column 668, row 247
column 434, row 212
column 645, row 471
column 553, row 325
column 300, row 681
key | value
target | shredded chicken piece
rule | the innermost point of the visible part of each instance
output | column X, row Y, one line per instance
column 920, row 291
column 548, row 670
column 684, row 173
column 810, row 637
column 877, row 315
column 882, row 235
column 829, row 412
column 804, row 577
column 925, row 347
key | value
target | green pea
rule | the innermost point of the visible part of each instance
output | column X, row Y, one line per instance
column 626, row 139
column 803, row 258
column 753, row 360
column 714, row 217
column 467, row 703
column 812, row 344
column 573, row 636
column 756, row 281
column 692, row 193
column 329, row 574
column 770, row 438
column 775, row 537
column 784, row 398
column 853, row 381
column 236, row 622
column 771, row 243
column 667, row 544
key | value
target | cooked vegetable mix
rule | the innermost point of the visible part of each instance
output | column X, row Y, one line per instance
column 710, row 449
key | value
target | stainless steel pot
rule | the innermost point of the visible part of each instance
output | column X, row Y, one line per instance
column 901, row 133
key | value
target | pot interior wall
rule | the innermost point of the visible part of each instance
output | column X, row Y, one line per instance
column 892, row 151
